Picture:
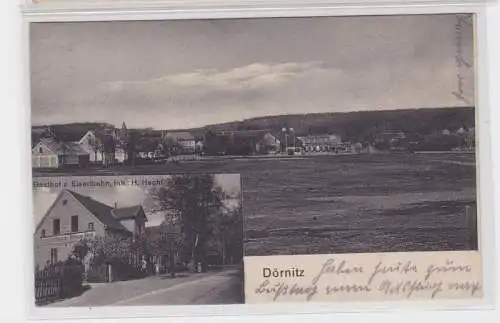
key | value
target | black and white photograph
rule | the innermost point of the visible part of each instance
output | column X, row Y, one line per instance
column 148, row 240
column 352, row 134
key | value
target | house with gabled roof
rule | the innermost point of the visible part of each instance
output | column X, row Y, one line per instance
column 47, row 153
column 51, row 153
column 91, row 143
column 73, row 217
column 102, row 147
column 183, row 138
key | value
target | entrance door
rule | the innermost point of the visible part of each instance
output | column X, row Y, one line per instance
column 53, row 255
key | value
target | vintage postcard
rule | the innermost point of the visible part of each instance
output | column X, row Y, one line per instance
column 138, row 240
column 355, row 138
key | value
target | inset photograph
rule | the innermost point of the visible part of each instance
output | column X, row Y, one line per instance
column 149, row 240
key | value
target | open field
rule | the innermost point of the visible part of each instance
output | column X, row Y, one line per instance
column 340, row 204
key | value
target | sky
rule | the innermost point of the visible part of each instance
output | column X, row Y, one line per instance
column 191, row 73
column 129, row 195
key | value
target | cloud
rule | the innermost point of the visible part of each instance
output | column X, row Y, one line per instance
column 253, row 76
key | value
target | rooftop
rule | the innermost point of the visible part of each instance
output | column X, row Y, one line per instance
column 108, row 215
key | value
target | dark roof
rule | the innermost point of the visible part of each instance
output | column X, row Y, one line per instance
column 65, row 134
column 101, row 211
column 60, row 148
column 128, row 212
column 74, row 148
column 53, row 145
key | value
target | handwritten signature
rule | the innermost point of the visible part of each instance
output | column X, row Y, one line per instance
column 463, row 21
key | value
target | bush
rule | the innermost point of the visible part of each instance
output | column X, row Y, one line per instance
column 121, row 270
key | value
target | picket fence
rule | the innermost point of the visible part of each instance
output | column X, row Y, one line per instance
column 57, row 281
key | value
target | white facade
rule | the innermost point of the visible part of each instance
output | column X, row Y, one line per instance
column 120, row 155
column 321, row 142
column 90, row 144
column 184, row 139
column 43, row 156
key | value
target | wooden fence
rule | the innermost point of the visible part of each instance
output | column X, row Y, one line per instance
column 57, row 282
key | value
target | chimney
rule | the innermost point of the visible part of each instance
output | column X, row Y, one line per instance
column 116, row 205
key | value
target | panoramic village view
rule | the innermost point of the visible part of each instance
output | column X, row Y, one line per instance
column 69, row 148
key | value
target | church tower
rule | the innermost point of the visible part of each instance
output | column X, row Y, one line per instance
column 122, row 135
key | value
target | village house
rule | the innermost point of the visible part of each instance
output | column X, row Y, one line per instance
column 57, row 146
column 106, row 147
column 73, row 217
column 100, row 147
column 184, row 139
column 49, row 153
column 93, row 146
column 323, row 142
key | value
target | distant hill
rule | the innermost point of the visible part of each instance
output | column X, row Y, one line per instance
column 360, row 124
column 76, row 126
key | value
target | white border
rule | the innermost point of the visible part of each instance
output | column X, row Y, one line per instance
column 484, row 171
column 120, row 4
column 176, row 9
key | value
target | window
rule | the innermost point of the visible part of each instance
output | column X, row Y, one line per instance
column 64, row 202
column 74, row 223
column 42, row 234
column 56, row 226
column 40, row 149
column 53, row 255
column 91, row 226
